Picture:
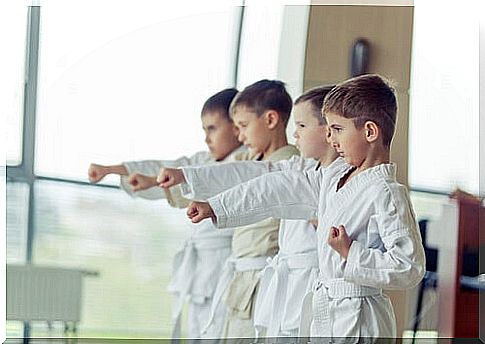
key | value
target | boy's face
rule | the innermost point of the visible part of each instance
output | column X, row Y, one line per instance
column 347, row 140
column 310, row 135
column 220, row 134
column 253, row 130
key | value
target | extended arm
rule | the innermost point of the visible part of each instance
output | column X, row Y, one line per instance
column 97, row 172
column 284, row 195
column 150, row 169
column 203, row 182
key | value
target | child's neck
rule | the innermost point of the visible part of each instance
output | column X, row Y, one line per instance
column 327, row 158
column 374, row 158
column 276, row 143
column 232, row 151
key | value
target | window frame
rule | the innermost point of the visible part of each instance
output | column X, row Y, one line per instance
column 25, row 171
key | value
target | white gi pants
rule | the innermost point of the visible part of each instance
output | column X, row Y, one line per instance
column 344, row 311
column 184, row 268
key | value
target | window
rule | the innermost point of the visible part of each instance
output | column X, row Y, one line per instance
column 17, row 221
column 129, row 242
column 260, row 43
column 273, row 43
column 125, row 86
column 444, row 117
column 14, row 22
column 117, row 81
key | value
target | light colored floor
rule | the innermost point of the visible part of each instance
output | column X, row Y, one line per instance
column 424, row 337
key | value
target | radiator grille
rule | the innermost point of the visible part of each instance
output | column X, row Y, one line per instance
column 43, row 293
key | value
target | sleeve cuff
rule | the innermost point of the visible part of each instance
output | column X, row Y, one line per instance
column 186, row 188
column 153, row 193
column 219, row 212
column 192, row 188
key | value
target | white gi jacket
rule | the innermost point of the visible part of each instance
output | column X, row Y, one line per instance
column 197, row 265
column 291, row 273
column 252, row 245
column 386, row 251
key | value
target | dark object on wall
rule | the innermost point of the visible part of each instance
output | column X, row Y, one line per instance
column 359, row 57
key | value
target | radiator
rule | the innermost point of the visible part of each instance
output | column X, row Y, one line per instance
column 43, row 293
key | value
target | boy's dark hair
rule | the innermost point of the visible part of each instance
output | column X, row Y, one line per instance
column 365, row 98
column 220, row 102
column 316, row 96
column 265, row 95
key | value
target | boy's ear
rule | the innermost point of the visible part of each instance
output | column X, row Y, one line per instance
column 372, row 131
column 271, row 118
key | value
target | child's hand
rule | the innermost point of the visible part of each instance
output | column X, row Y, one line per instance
column 197, row 211
column 96, row 172
column 140, row 182
column 169, row 177
column 339, row 240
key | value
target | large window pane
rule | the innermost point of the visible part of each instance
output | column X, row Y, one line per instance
column 130, row 242
column 273, row 44
column 444, row 116
column 17, row 221
column 260, row 42
column 13, row 30
column 122, row 80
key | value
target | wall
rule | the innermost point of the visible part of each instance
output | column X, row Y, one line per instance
column 331, row 33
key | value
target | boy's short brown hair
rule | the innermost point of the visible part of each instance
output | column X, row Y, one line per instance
column 316, row 96
column 365, row 98
column 220, row 102
column 265, row 95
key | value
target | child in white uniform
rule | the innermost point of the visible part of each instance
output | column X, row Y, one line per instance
column 261, row 112
column 367, row 233
column 291, row 273
column 198, row 264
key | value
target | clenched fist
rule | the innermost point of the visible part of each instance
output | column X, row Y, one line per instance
column 197, row 211
column 339, row 240
column 96, row 172
column 169, row 177
column 140, row 181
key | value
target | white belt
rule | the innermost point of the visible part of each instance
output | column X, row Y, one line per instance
column 232, row 265
column 280, row 267
column 324, row 291
column 185, row 262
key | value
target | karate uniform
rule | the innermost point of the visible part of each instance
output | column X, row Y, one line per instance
column 291, row 273
column 252, row 245
column 197, row 265
column 386, row 251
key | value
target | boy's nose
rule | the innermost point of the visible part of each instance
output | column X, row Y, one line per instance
column 295, row 135
column 241, row 137
column 207, row 139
